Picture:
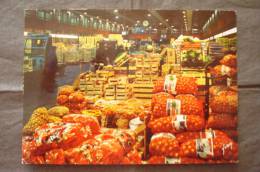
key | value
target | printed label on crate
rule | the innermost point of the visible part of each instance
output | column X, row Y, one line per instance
column 204, row 147
column 173, row 107
column 170, row 83
column 180, row 122
column 169, row 160
column 225, row 70
column 164, row 135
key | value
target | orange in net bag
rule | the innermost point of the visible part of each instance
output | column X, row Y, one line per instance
column 176, row 85
column 222, row 148
column 164, row 144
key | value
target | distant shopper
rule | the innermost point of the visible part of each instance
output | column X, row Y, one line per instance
column 50, row 69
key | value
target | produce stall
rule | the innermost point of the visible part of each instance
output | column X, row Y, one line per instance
column 175, row 106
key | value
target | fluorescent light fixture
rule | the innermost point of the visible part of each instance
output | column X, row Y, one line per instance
column 117, row 17
column 149, row 15
column 183, row 12
column 167, row 20
column 64, row 36
column 115, row 10
column 226, row 33
column 25, row 33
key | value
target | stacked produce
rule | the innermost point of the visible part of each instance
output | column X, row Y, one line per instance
column 176, row 85
column 119, row 113
column 164, row 104
column 226, row 68
column 79, row 139
column 178, row 124
column 223, row 111
column 74, row 100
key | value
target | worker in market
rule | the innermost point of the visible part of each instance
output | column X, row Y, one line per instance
column 50, row 69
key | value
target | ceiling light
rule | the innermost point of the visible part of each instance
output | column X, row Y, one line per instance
column 172, row 26
column 167, row 20
column 85, row 13
column 97, row 17
column 183, row 12
column 160, row 24
column 115, row 10
column 117, row 17
column 149, row 15
column 138, row 21
column 135, row 24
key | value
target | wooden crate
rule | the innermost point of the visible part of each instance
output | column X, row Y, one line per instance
column 143, row 89
column 110, row 92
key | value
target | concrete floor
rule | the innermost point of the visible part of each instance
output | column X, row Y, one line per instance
column 35, row 97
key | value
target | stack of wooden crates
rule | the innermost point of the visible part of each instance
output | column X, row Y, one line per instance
column 117, row 88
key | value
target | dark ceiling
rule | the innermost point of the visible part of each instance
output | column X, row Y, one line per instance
column 176, row 22
column 159, row 19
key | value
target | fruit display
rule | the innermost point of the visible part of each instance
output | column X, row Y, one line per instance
column 39, row 117
column 164, row 104
column 176, row 85
column 229, row 60
column 192, row 58
column 225, row 102
column 176, row 124
column 176, row 121
column 223, row 70
column 219, row 121
column 74, row 100
column 213, row 148
column 164, row 144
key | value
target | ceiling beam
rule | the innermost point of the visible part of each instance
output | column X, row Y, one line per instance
column 159, row 17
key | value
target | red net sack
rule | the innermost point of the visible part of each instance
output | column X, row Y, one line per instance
column 223, row 70
column 176, row 85
column 59, row 135
column 90, row 121
column 164, row 144
column 124, row 136
column 186, row 136
column 55, row 156
column 132, row 157
column 222, row 121
column 178, row 123
column 82, row 154
column 158, row 104
column 216, row 148
column 164, row 105
column 225, row 102
column 28, row 152
column 108, row 152
column 190, row 105
column 229, row 60
column 156, row 160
